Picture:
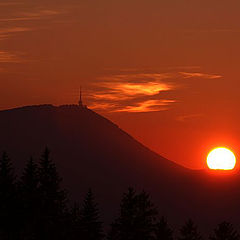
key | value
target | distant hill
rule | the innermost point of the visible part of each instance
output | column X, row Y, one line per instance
column 91, row 151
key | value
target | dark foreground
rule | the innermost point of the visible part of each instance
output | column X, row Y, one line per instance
column 34, row 206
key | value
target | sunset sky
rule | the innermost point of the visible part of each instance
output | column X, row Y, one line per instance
column 165, row 71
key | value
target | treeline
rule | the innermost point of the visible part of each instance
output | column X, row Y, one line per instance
column 35, row 207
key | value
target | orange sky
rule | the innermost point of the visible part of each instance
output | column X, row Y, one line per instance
column 166, row 71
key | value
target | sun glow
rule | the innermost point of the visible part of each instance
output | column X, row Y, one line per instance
column 221, row 159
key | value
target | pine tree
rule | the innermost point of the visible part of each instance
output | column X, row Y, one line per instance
column 123, row 227
column 8, row 198
column 137, row 218
column 74, row 227
column 53, row 199
column 29, row 186
column 7, row 177
column 114, row 233
column 91, row 226
column 189, row 231
column 225, row 231
column 146, row 216
column 163, row 231
column 30, row 199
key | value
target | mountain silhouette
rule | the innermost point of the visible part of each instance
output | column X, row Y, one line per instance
column 91, row 151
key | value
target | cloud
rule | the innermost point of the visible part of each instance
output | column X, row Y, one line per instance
column 199, row 75
column 9, row 28
column 137, row 77
column 35, row 15
column 41, row 13
column 14, row 30
column 5, row 33
column 131, row 92
column 133, row 89
column 148, row 106
column 25, row 18
column 6, row 57
column 2, row 4
column 185, row 67
column 141, row 92
column 104, row 106
column 185, row 118
column 109, row 96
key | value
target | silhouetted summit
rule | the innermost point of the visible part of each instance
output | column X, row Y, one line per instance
column 91, row 151
column 84, row 136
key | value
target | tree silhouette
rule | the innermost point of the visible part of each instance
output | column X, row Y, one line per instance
column 74, row 223
column 225, row 231
column 35, row 208
column 137, row 218
column 30, row 199
column 124, row 226
column 163, row 231
column 189, row 231
column 90, row 224
column 53, row 199
column 8, row 199
column 113, row 234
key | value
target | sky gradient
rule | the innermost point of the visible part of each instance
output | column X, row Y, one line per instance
column 166, row 71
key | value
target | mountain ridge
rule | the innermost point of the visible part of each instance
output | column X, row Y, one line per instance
column 76, row 107
column 91, row 151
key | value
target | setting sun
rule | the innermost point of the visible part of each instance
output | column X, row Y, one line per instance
column 221, row 159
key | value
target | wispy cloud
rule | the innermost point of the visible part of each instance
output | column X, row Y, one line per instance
column 148, row 106
column 133, row 89
column 131, row 92
column 104, row 106
column 141, row 92
column 5, row 33
column 185, row 118
column 199, row 75
column 20, row 21
column 137, row 77
column 27, row 16
column 185, row 68
column 3, row 4
column 14, row 30
column 41, row 13
column 6, row 57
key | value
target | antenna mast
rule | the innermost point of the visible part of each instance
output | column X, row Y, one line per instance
column 80, row 98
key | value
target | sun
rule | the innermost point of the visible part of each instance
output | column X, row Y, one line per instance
column 221, row 158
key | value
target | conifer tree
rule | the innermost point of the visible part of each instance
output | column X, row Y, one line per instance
column 8, row 198
column 189, row 231
column 163, row 231
column 53, row 198
column 146, row 216
column 91, row 226
column 30, row 199
column 29, row 184
column 7, row 177
column 114, row 233
column 74, row 223
column 137, row 218
column 225, row 231
column 123, row 227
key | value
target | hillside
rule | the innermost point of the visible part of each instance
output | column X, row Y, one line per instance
column 91, row 151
